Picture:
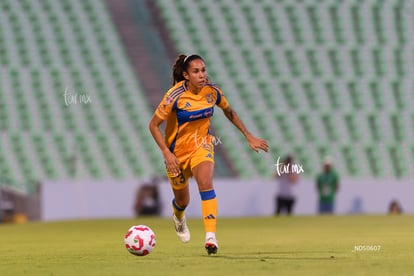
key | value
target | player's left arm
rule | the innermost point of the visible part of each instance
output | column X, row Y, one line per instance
column 255, row 143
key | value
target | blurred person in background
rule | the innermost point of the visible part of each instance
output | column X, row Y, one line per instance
column 327, row 185
column 147, row 200
column 285, row 198
column 394, row 208
column 187, row 108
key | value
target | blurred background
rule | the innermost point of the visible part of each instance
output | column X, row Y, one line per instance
column 80, row 79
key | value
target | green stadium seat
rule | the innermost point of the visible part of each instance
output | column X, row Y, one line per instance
column 332, row 71
column 397, row 127
column 43, row 154
column 335, row 62
column 307, row 127
column 376, row 95
column 5, row 171
column 399, row 63
column 357, row 24
column 377, row 23
column 355, row 95
column 262, row 123
column 397, row 161
column 356, row 62
column 293, row 63
column 312, row 12
column 374, row 161
column 352, row 127
column 284, row 127
column 240, row 164
column 412, row 152
column 289, row 95
column 398, row 95
column 4, row 117
column 330, row 127
column 351, row 161
column 302, row 156
column 312, row 60
column 311, row 95
column 379, row 64
column 374, row 127
column 333, row 95
column 294, row 25
column 274, row 25
column 271, row 62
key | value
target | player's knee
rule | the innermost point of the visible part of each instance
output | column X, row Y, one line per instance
column 205, row 185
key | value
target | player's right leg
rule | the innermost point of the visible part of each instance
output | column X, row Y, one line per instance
column 179, row 203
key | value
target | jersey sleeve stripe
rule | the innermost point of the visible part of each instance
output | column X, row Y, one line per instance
column 218, row 101
column 176, row 92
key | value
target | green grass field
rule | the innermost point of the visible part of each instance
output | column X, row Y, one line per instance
column 248, row 246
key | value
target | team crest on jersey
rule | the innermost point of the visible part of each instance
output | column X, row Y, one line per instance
column 209, row 98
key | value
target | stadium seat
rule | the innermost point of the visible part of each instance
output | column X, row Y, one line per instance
column 398, row 161
column 94, row 64
column 351, row 161
column 334, row 98
column 374, row 161
column 376, row 95
column 301, row 74
column 330, row 64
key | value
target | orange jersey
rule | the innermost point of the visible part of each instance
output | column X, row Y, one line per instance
column 188, row 116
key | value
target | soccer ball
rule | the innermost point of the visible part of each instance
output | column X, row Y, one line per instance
column 139, row 240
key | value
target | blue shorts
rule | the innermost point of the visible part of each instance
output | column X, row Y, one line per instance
column 326, row 207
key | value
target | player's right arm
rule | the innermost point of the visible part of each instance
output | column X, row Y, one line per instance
column 171, row 162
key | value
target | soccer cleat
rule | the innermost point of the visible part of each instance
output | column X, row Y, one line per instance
column 181, row 229
column 211, row 246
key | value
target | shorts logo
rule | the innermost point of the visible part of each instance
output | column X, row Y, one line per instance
column 209, row 155
column 208, row 147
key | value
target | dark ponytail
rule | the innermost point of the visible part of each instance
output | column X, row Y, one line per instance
column 181, row 65
column 177, row 74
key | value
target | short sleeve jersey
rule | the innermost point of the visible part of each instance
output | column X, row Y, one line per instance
column 327, row 184
column 188, row 116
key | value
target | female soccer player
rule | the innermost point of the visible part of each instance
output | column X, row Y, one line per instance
column 187, row 108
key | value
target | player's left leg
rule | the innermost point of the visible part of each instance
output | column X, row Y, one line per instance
column 203, row 174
